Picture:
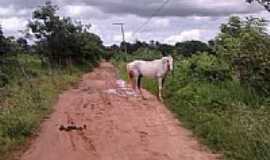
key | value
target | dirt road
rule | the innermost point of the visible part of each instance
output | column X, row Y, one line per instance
column 101, row 119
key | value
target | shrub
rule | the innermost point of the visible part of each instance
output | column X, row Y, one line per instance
column 208, row 67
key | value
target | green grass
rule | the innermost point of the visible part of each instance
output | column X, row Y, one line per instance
column 229, row 118
column 25, row 102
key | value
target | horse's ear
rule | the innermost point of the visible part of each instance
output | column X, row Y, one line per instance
column 164, row 61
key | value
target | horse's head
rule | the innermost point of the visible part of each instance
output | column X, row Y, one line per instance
column 168, row 61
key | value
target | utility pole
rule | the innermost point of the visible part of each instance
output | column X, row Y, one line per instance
column 123, row 34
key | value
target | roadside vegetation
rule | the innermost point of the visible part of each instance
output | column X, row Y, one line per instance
column 219, row 90
column 31, row 76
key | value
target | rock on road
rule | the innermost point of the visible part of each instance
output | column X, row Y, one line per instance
column 95, row 121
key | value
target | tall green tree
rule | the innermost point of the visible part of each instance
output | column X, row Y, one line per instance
column 5, row 43
column 2, row 41
column 52, row 32
column 61, row 39
column 245, row 45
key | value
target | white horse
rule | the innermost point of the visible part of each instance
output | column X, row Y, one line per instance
column 156, row 69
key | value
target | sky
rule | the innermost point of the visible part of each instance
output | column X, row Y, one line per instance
column 178, row 20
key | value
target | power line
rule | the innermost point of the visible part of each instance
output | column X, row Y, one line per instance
column 152, row 16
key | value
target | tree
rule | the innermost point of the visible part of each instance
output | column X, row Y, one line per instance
column 165, row 49
column 247, row 50
column 47, row 27
column 22, row 43
column 265, row 3
column 188, row 48
column 5, row 44
column 233, row 27
column 2, row 42
column 60, row 39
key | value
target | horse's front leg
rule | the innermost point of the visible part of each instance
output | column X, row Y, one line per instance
column 160, row 85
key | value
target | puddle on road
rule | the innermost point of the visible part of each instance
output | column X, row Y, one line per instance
column 122, row 89
column 121, row 83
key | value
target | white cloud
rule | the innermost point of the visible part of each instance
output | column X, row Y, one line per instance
column 94, row 28
column 13, row 25
column 199, row 18
column 128, row 37
column 10, row 11
column 268, row 29
column 82, row 12
column 75, row 10
column 194, row 34
column 5, row 11
column 161, row 22
column 117, row 38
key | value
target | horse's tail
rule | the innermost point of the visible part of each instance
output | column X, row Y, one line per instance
column 130, row 73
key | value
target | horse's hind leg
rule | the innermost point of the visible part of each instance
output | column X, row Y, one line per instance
column 134, row 83
column 139, row 85
column 131, row 79
column 130, row 76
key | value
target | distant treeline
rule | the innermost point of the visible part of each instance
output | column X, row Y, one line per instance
column 186, row 48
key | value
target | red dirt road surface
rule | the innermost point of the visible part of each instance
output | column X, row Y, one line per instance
column 100, row 119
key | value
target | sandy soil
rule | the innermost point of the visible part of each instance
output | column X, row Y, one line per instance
column 101, row 119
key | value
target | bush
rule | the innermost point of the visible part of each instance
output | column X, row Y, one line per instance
column 244, row 44
column 208, row 67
